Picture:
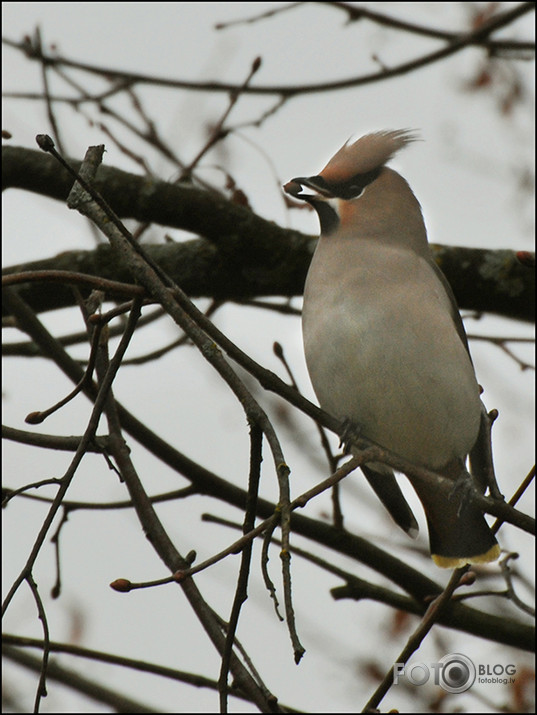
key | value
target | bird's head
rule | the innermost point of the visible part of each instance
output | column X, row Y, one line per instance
column 348, row 174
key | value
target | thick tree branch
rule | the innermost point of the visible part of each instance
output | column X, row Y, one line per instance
column 245, row 255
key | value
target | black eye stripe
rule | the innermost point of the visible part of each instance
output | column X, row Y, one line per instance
column 350, row 188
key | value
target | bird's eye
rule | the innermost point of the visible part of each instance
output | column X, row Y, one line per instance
column 354, row 187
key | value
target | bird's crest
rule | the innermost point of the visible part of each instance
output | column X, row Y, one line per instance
column 367, row 153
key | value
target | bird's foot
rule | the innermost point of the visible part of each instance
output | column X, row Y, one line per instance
column 349, row 434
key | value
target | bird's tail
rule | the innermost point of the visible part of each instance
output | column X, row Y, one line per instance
column 458, row 531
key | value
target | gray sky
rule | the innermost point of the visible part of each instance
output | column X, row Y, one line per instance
column 465, row 176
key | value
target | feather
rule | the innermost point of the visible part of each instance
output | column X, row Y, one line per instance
column 367, row 153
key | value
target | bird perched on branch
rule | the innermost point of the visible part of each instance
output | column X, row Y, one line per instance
column 385, row 345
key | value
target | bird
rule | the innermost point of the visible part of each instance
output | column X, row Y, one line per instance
column 385, row 345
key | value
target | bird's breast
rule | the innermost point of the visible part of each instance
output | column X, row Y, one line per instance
column 382, row 350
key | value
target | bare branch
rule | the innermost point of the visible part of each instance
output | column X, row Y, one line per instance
column 476, row 37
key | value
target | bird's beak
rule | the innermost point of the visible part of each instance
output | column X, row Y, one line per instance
column 295, row 188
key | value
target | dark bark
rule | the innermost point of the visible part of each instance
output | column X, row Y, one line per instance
column 240, row 254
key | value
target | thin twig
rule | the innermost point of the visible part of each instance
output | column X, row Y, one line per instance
column 241, row 590
column 478, row 36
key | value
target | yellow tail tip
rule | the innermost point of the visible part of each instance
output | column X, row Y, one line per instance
column 455, row 562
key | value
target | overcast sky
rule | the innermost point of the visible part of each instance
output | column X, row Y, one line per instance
column 466, row 174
